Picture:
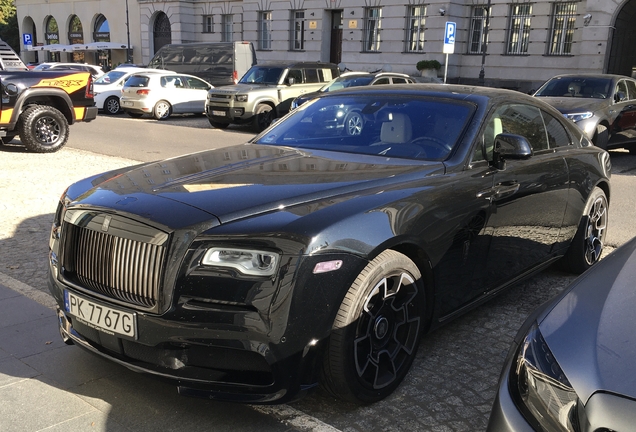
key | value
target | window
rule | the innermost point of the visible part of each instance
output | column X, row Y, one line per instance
column 477, row 30
column 265, row 30
column 208, row 24
column 519, row 30
column 227, row 33
column 562, row 28
column 631, row 86
column 296, row 74
column 557, row 135
column 298, row 30
column 416, row 18
column 372, row 26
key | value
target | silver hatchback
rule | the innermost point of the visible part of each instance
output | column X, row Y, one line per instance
column 164, row 94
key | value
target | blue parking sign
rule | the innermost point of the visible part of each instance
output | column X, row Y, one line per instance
column 449, row 37
column 27, row 38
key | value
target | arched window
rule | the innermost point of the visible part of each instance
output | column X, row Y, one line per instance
column 161, row 31
column 101, row 33
column 76, row 36
column 52, row 36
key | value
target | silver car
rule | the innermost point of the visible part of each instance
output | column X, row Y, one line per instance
column 163, row 94
column 602, row 106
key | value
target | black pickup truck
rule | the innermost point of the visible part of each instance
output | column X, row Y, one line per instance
column 39, row 106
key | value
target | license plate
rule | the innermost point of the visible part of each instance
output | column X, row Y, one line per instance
column 126, row 103
column 100, row 317
column 218, row 113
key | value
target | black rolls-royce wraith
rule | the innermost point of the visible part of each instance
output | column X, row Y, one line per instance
column 323, row 249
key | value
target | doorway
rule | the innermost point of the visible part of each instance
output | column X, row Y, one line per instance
column 335, row 49
column 622, row 59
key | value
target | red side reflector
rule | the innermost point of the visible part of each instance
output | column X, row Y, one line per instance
column 235, row 77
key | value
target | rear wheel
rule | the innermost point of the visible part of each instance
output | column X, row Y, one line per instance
column 111, row 105
column 587, row 245
column 162, row 110
column 376, row 332
column 263, row 117
column 43, row 129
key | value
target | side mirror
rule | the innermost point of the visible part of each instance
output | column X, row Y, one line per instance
column 619, row 96
column 290, row 81
column 510, row 146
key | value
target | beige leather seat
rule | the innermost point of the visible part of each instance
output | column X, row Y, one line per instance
column 397, row 130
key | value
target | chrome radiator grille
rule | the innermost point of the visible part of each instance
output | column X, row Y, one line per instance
column 120, row 268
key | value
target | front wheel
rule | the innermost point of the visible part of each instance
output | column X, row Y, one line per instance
column 376, row 332
column 587, row 245
column 43, row 129
column 162, row 110
column 112, row 106
column 263, row 117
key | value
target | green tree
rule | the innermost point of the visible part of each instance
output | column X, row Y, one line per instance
column 9, row 31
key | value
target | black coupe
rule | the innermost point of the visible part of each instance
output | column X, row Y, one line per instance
column 315, row 255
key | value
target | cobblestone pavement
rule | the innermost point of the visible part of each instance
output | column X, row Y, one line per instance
column 453, row 381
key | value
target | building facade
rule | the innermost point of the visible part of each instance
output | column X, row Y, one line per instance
column 505, row 43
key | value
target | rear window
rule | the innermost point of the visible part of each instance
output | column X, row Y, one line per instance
column 137, row 81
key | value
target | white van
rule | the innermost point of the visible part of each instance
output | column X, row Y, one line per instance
column 219, row 63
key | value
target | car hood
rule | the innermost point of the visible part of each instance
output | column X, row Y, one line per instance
column 241, row 181
column 239, row 88
column 570, row 104
column 591, row 330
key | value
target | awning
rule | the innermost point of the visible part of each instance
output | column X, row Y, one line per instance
column 93, row 46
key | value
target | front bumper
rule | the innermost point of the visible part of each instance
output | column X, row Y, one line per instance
column 227, row 113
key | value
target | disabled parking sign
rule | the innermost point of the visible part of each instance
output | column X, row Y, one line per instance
column 449, row 37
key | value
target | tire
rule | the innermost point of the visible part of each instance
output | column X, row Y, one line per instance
column 353, row 123
column 218, row 125
column 587, row 244
column 43, row 129
column 376, row 332
column 134, row 114
column 112, row 106
column 162, row 110
column 601, row 137
column 263, row 117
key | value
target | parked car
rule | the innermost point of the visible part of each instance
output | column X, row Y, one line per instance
column 307, row 255
column 108, row 87
column 571, row 366
column 163, row 93
column 354, row 79
column 266, row 92
column 95, row 71
column 31, row 65
column 603, row 106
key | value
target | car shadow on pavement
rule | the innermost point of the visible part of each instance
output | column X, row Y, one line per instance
column 622, row 162
column 47, row 384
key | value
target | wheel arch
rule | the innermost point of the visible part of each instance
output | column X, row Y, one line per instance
column 56, row 98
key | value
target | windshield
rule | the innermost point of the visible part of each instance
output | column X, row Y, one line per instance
column 579, row 87
column 110, row 77
column 391, row 126
column 348, row 81
column 262, row 75
column 42, row 67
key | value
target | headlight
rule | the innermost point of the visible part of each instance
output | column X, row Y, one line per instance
column 246, row 261
column 577, row 117
column 546, row 396
column 241, row 98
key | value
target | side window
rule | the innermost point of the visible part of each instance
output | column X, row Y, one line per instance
column 518, row 119
column 311, row 76
column 196, row 83
column 557, row 135
column 399, row 80
column 296, row 74
column 621, row 87
column 631, row 88
column 381, row 81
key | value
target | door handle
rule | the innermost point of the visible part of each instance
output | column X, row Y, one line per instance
column 505, row 190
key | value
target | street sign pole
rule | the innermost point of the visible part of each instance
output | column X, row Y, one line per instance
column 449, row 43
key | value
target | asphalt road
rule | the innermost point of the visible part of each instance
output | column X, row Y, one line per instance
column 453, row 381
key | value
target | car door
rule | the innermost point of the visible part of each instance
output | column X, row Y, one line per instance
column 173, row 90
column 623, row 129
column 197, row 91
column 529, row 197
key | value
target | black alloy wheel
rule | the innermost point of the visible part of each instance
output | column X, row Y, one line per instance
column 43, row 129
column 263, row 117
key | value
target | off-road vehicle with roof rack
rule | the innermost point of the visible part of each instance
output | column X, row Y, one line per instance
column 40, row 106
column 265, row 92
